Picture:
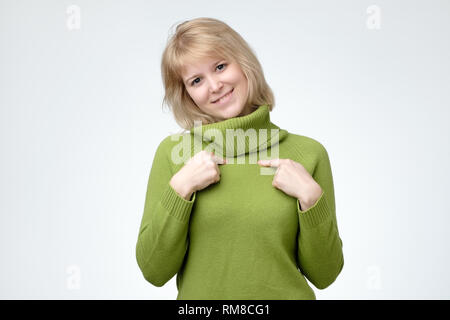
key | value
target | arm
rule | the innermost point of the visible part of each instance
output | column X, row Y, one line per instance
column 320, row 255
column 163, row 234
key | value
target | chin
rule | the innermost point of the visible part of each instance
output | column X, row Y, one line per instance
column 231, row 111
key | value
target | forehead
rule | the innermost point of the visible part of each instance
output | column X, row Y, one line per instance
column 191, row 66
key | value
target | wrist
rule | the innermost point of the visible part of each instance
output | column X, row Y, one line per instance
column 183, row 189
column 187, row 194
column 310, row 200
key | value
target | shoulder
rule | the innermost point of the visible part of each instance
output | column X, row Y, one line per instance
column 175, row 149
column 307, row 144
column 171, row 141
column 305, row 150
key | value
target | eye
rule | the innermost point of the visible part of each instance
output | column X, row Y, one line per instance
column 222, row 64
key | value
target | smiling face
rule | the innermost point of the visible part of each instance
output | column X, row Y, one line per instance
column 218, row 87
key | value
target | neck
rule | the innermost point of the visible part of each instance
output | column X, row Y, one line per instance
column 240, row 135
column 247, row 110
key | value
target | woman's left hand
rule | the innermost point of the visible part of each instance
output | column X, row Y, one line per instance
column 293, row 179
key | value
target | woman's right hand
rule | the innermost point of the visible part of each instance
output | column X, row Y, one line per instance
column 199, row 172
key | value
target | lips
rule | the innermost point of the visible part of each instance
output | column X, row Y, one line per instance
column 223, row 96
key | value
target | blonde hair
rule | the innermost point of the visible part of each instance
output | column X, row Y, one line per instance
column 201, row 38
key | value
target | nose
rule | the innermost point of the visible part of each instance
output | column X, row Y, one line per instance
column 215, row 85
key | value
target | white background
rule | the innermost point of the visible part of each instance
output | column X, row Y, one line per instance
column 81, row 118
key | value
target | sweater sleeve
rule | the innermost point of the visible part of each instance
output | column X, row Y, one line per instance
column 163, row 234
column 320, row 256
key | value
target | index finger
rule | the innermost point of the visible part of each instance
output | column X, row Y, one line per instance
column 219, row 160
column 270, row 162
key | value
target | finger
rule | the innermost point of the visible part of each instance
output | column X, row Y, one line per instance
column 218, row 160
column 269, row 163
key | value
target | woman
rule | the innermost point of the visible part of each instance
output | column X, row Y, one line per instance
column 229, row 226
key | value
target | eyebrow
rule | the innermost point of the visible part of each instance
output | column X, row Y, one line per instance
column 195, row 75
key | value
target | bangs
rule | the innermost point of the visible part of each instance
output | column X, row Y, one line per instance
column 192, row 55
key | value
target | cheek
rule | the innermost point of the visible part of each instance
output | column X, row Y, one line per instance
column 199, row 95
column 237, row 74
column 243, row 85
column 241, row 80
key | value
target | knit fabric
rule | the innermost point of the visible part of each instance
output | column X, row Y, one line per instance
column 240, row 238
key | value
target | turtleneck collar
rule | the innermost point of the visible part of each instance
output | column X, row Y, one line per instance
column 240, row 135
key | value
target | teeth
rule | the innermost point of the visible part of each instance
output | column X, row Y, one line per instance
column 224, row 97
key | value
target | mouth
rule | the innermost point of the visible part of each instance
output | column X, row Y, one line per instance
column 224, row 97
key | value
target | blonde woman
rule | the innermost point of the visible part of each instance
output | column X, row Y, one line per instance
column 236, row 207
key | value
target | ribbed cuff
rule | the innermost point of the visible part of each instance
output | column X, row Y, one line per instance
column 176, row 205
column 314, row 215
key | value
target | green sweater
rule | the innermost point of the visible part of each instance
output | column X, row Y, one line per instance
column 240, row 238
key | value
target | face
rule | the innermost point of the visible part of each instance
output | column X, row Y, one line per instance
column 218, row 87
